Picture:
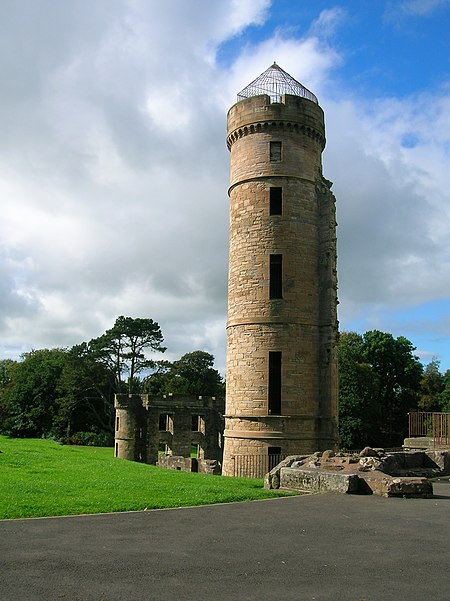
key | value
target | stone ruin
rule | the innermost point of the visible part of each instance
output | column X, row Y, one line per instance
column 179, row 432
column 372, row 471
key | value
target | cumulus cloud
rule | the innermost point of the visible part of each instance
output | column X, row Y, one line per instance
column 419, row 7
column 393, row 210
column 114, row 170
column 328, row 21
column 388, row 159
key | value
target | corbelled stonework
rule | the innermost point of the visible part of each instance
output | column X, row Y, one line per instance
column 279, row 145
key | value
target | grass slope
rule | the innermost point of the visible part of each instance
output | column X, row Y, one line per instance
column 42, row 478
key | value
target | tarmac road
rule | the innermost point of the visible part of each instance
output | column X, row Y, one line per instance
column 315, row 547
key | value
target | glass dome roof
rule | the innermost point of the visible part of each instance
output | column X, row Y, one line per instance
column 275, row 82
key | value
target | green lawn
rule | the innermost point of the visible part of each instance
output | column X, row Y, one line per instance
column 42, row 478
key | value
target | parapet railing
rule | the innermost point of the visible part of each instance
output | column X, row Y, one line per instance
column 432, row 424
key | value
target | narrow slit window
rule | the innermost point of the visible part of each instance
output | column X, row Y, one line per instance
column 276, row 277
column 274, row 392
column 275, row 152
column 117, row 423
column 275, row 201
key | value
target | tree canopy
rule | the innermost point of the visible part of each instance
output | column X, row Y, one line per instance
column 69, row 393
column 357, row 412
column 431, row 387
column 444, row 396
column 192, row 374
column 30, row 399
column 123, row 348
column 380, row 381
column 64, row 392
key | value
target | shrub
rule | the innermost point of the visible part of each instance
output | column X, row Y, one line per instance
column 90, row 439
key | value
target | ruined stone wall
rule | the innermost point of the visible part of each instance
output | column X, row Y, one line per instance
column 146, row 426
column 130, row 428
column 190, row 464
column 302, row 324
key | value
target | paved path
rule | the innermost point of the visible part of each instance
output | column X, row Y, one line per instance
column 317, row 547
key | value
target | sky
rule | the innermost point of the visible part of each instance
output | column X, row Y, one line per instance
column 114, row 168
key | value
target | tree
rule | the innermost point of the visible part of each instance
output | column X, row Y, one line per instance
column 398, row 373
column 193, row 374
column 86, row 389
column 157, row 382
column 57, row 392
column 6, row 367
column 6, row 375
column 123, row 349
column 444, row 397
column 379, row 383
column 358, row 415
column 431, row 387
column 30, row 399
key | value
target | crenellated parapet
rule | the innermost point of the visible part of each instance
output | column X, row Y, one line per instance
column 273, row 127
column 292, row 115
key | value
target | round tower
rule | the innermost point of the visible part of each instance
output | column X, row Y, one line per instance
column 281, row 396
column 130, row 438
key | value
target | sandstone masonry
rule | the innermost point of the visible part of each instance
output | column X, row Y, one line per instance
column 175, row 431
column 282, row 284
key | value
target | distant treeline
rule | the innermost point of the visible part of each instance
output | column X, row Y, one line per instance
column 380, row 381
column 68, row 394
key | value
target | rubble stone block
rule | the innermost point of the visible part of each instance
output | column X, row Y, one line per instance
column 439, row 459
column 399, row 487
column 318, row 481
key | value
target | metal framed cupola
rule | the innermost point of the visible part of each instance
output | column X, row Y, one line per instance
column 275, row 82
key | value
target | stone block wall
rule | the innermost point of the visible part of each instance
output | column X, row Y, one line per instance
column 130, row 428
column 148, row 427
column 302, row 325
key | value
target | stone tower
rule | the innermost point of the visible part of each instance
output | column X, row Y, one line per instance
column 281, row 394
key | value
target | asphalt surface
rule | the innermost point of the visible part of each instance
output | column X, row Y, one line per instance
column 316, row 547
